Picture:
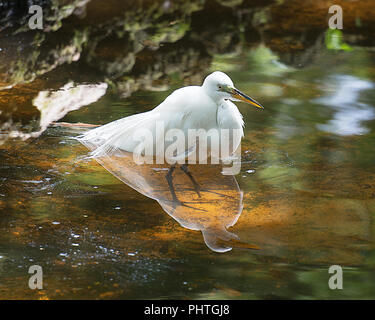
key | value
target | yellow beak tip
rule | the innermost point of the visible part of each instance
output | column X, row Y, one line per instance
column 243, row 97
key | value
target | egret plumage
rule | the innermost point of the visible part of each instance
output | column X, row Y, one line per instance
column 207, row 107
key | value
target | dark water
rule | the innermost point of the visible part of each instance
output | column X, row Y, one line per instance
column 307, row 177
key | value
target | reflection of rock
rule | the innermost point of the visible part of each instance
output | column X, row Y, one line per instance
column 218, row 208
column 56, row 104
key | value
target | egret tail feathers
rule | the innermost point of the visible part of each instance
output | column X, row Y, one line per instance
column 107, row 139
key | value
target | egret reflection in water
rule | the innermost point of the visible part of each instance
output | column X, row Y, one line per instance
column 218, row 207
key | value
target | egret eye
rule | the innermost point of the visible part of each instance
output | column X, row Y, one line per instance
column 220, row 87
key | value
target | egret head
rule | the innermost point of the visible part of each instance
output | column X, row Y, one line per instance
column 219, row 86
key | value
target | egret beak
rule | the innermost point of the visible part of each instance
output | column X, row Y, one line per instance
column 238, row 95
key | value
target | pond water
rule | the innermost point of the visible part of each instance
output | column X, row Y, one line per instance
column 305, row 194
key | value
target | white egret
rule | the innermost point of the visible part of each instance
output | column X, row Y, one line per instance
column 193, row 107
column 206, row 107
